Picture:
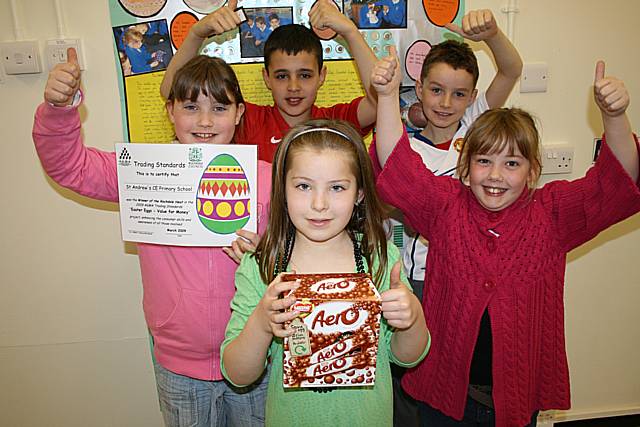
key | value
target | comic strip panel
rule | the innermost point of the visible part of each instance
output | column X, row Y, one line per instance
column 259, row 25
column 143, row 47
column 372, row 14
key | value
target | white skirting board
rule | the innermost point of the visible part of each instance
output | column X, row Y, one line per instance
column 549, row 418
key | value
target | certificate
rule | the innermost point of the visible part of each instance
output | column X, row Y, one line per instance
column 186, row 194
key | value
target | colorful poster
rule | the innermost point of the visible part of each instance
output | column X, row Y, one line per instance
column 186, row 194
column 146, row 34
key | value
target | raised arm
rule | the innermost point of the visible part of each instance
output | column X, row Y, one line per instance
column 612, row 98
column 325, row 14
column 480, row 25
column 64, row 81
column 218, row 22
column 385, row 79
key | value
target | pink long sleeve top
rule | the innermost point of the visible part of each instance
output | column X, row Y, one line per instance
column 187, row 290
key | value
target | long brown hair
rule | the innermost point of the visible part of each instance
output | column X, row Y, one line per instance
column 499, row 128
column 365, row 225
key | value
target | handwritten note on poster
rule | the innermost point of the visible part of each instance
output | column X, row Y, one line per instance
column 146, row 112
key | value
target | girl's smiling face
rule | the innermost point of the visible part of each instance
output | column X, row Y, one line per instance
column 321, row 191
column 497, row 180
column 205, row 120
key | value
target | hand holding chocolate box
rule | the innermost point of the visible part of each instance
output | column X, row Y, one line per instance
column 336, row 335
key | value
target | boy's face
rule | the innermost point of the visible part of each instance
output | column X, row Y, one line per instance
column 205, row 121
column 275, row 23
column 261, row 25
column 445, row 94
column 294, row 81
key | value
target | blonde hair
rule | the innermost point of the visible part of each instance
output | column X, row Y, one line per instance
column 132, row 34
column 498, row 129
column 273, row 252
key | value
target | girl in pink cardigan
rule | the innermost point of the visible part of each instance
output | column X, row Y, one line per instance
column 493, row 296
column 187, row 290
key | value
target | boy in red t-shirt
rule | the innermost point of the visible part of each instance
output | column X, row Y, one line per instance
column 293, row 73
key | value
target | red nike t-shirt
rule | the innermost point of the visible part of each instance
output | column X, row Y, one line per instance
column 264, row 126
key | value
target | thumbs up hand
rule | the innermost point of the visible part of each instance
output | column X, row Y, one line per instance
column 64, row 81
column 400, row 306
column 610, row 93
column 386, row 75
column 477, row 25
column 217, row 22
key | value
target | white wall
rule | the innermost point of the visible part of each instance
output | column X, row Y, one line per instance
column 73, row 344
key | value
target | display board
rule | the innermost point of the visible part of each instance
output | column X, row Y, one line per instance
column 146, row 33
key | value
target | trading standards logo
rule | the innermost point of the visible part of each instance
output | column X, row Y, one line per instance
column 125, row 158
column 195, row 157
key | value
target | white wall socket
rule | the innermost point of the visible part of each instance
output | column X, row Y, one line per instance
column 534, row 78
column 20, row 57
column 56, row 51
column 557, row 158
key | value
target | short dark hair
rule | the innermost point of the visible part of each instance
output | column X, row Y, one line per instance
column 274, row 16
column 456, row 54
column 293, row 39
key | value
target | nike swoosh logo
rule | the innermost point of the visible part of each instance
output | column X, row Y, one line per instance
column 275, row 141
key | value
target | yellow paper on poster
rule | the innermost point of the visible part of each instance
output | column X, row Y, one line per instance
column 342, row 83
column 146, row 112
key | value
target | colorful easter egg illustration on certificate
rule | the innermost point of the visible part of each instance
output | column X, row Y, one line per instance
column 223, row 196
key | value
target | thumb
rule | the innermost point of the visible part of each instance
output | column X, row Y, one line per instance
column 455, row 28
column 394, row 277
column 393, row 52
column 233, row 4
column 72, row 56
column 599, row 71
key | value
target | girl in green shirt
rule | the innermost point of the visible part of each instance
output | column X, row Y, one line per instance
column 325, row 218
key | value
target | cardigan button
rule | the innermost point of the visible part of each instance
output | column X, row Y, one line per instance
column 489, row 285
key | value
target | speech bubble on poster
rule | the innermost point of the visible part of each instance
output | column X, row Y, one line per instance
column 143, row 8
column 415, row 57
column 441, row 12
column 180, row 26
column 204, row 6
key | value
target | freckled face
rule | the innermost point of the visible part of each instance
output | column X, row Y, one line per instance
column 497, row 180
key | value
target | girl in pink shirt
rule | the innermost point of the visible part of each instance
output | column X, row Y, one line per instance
column 187, row 290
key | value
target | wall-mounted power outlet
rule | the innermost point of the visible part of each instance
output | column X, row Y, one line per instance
column 56, row 51
column 20, row 57
column 534, row 78
column 557, row 158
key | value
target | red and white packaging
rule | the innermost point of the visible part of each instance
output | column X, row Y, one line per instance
column 336, row 339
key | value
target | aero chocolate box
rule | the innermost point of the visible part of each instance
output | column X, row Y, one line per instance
column 335, row 342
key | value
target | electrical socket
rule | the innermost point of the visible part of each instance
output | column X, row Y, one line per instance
column 534, row 77
column 557, row 159
column 21, row 57
column 56, row 51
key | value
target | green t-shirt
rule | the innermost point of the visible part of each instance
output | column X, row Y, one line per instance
column 348, row 406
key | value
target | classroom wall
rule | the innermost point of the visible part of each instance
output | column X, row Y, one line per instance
column 73, row 344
